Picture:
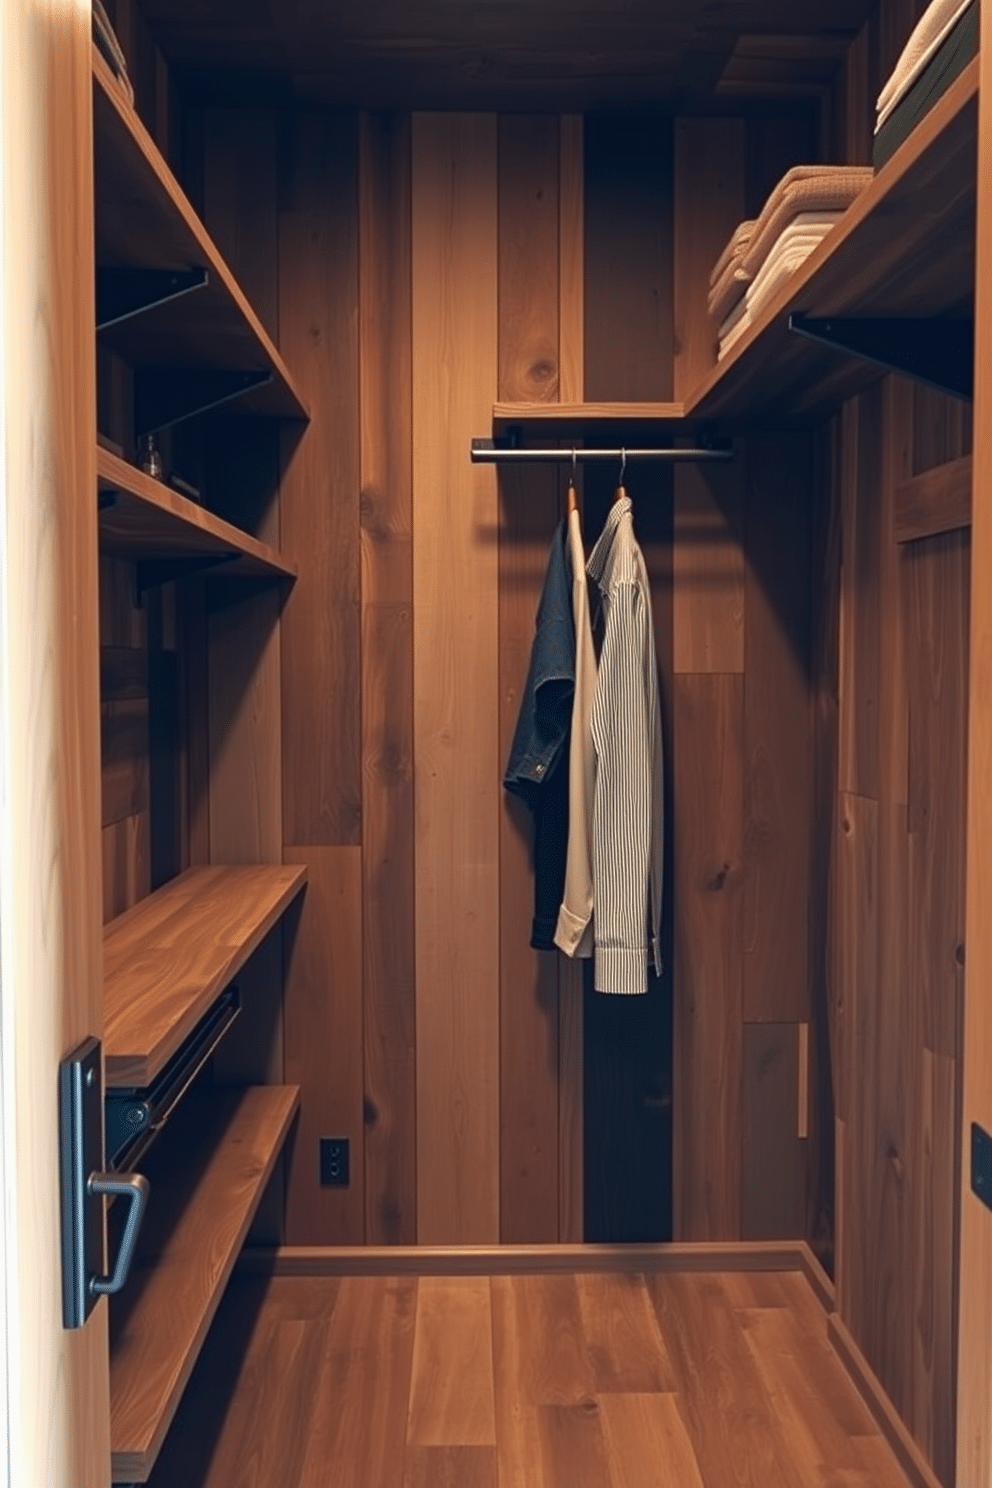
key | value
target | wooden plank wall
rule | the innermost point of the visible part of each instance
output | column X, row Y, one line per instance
column 897, row 926
column 743, row 754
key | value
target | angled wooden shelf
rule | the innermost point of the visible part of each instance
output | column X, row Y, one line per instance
column 144, row 221
column 905, row 248
column 148, row 520
column 569, row 416
column 166, row 960
column 204, row 1193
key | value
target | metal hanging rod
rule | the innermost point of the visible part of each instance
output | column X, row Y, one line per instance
column 491, row 452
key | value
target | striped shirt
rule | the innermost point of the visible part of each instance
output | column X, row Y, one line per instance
column 628, row 807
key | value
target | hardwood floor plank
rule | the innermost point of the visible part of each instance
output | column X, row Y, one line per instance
column 625, row 1348
column 648, row 1444
column 451, row 1467
column 728, row 1416
column 302, row 1298
column 358, row 1421
column 538, row 1326
column 451, row 1390
column 574, row 1453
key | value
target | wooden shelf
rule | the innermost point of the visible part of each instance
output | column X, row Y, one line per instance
column 204, row 1191
column 148, row 520
column 567, row 418
column 905, row 248
column 166, row 959
column 143, row 220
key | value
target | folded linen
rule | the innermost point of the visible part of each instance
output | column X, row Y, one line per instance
column 733, row 328
column 727, row 291
column 782, row 270
column 937, row 21
column 832, row 188
column 804, row 233
column 739, row 239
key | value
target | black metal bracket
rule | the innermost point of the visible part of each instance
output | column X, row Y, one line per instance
column 149, row 573
column 937, row 352
column 122, row 292
column 981, row 1164
column 164, row 396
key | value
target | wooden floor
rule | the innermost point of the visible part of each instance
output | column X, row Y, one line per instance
column 557, row 1381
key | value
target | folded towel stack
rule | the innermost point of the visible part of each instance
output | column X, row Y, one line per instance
column 763, row 254
column 936, row 23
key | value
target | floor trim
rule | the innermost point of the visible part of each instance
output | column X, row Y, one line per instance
column 887, row 1418
column 509, row 1260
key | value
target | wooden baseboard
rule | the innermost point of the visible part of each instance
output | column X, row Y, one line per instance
column 508, row 1260
column 889, row 1422
column 818, row 1279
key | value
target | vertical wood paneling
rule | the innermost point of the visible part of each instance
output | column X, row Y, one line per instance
column 773, row 1157
column 385, row 341
column 195, row 777
column 529, row 512
column 709, row 203
column 323, row 1035
column 860, row 628
column 628, row 270
column 55, row 1382
column 455, row 679
column 243, row 727
column 571, row 261
column 974, row 1372
column 321, row 641
column 708, row 560
column 709, row 752
column 571, row 388
column 240, row 202
column 777, row 732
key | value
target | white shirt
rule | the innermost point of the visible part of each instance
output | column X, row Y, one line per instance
column 628, row 803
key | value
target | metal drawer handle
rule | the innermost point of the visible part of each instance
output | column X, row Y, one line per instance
column 135, row 1188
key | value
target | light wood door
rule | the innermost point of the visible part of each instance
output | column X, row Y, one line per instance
column 50, row 942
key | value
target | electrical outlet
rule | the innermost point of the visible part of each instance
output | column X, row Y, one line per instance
column 335, row 1165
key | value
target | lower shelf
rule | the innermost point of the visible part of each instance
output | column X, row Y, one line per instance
column 197, row 1220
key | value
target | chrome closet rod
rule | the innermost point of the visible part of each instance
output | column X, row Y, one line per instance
column 484, row 452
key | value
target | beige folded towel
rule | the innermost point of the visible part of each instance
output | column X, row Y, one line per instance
column 727, row 291
column 936, row 22
column 793, row 248
column 739, row 239
column 831, row 188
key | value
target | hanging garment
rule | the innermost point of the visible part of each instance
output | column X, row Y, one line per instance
column 574, row 934
column 536, row 770
column 628, row 807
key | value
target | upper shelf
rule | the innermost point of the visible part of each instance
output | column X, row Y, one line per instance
column 144, row 221
column 148, row 521
column 904, row 249
column 165, row 960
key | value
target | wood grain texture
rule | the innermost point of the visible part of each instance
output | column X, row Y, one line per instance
column 240, row 149
column 773, row 1156
column 126, row 858
column 571, row 260
column 910, row 1459
column 322, row 1014
column 528, row 148
column 709, row 720
column 455, row 679
column 158, row 1325
column 319, row 503
column 647, row 1431
column 451, row 1387
column 937, row 501
column 386, row 457
column 360, row 1401
column 571, row 1156
column 55, row 1383
column 628, row 268
column 974, row 1289
column 530, row 501
column 860, row 632
column 777, row 731
column 168, row 958
column 627, row 1354
column 244, row 728
column 124, row 760
column 709, row 628
column 709, row 186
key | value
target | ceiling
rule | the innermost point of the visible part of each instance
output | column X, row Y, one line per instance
column 523, row 54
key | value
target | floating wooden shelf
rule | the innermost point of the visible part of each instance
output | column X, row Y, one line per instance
column 144, row 221
column 204, row 1191
column 905, row 248
column 166, row 959
column 149, row 521
column 570, row 418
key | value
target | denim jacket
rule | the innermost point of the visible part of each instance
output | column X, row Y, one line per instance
column 537, row 770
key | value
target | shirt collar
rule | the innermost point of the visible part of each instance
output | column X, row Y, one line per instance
column 599, row 557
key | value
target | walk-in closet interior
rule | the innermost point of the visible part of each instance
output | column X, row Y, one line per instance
column 319, row 279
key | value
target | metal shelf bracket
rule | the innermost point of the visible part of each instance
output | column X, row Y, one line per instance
column 937, row 352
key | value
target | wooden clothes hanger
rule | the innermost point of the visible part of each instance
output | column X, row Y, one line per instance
column 572, row 499
column 621, row 491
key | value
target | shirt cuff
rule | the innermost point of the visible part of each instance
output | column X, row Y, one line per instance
column 573, row 935
column 621, row 970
